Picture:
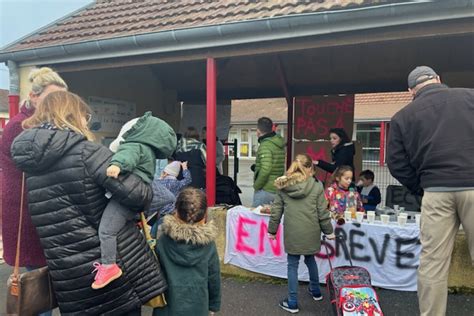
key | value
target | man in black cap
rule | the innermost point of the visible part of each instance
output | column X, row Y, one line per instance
column 431, row 151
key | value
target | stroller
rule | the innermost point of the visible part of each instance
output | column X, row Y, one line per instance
column 350, row 289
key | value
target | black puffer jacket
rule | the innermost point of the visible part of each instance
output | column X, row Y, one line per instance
column 66, row 180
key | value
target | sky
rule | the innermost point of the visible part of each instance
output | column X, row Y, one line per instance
column 22, row 17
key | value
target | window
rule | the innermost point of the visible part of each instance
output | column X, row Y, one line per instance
column 232, row 136
column 368, row 134
column 254, row 142
column 244, row 143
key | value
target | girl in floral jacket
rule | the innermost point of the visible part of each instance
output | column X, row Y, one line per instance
column 340, row 191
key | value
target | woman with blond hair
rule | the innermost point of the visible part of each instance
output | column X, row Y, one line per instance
column 43, row 81
column 301, row 199
column 67, row 181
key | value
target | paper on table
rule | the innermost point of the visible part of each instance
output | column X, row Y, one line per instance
column 257, row 211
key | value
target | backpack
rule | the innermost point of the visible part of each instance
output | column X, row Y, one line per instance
column 227, row 192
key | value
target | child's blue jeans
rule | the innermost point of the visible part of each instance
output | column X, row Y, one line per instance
column 293, row 262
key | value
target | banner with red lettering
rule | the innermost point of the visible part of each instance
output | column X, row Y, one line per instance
column 389, row 252
column 316, row 115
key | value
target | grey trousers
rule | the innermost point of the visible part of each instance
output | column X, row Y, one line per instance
column 113, row 219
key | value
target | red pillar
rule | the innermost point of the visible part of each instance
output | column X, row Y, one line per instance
column 289, row 139
column 211, row 132
column 382, row 144
column 13, row 102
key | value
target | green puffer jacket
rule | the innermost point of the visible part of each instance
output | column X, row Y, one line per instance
column 188, row 256
column 270, row 162
column 150, row 138
column 306, row 214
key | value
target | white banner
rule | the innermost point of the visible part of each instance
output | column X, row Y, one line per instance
column 389, row 252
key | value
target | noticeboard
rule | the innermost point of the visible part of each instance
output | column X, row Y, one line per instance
column 110, row 115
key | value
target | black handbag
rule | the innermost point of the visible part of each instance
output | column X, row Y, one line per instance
column 29, row 293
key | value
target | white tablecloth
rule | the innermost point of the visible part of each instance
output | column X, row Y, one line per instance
column 389, row 252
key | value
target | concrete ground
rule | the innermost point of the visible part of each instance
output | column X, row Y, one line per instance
column 244, row 179
column 248, row 298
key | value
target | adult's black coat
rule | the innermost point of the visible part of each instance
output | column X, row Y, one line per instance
column 342, row 155
column 67, row 182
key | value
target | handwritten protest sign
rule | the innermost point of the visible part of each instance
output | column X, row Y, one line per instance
column 389, row 252
column 316, row 115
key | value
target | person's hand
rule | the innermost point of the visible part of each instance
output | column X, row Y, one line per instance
column 331, row 236
column 184, row 165
column 365, row 201
column 316, row 162
column 271, row 236
column 113, row 171
column 211, row 313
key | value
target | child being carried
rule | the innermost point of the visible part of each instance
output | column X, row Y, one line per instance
column 140, row 142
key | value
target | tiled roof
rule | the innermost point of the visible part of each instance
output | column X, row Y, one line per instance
column 3, row 100
column 368, row 106
column 379, row 106
column 243, row 111
column 115, row 18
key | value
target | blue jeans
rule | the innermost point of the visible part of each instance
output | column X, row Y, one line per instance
column 261, row 197
column 293, row 262
column 48, row 313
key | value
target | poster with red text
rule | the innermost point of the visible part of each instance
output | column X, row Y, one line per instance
column 315, row 115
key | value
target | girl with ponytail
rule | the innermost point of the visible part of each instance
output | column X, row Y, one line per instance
column 301, row 198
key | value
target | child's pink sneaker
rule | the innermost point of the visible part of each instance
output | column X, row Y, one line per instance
column 105, row 275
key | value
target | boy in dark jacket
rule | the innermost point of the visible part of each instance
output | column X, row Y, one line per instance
column 188, row 255
column 368, row 191
column 140, row 142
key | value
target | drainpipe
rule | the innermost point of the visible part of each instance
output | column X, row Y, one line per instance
column 211, row 132
column 14, row 92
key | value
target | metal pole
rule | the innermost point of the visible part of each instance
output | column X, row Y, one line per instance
column 382, row 144
column 211, row 132
column 14, row 91
column 236, row 161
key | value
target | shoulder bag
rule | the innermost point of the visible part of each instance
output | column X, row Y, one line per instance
column 29, row 293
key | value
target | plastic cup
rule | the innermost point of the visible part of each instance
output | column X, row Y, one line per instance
column 402, row 219
column 348, row 216
column 385, row 219
column 418, row 219
column 360, row 216
column 371, row 217
column 402, row 209
column 396, row 207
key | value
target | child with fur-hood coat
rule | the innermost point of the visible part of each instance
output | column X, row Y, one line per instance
column 301, row 199
column 189, row 258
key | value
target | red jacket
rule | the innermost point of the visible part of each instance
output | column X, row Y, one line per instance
column 31, row 251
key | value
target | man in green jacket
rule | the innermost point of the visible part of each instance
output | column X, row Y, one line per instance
column 270, row 162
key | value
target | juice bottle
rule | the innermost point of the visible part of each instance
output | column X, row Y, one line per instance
column 351, row 203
